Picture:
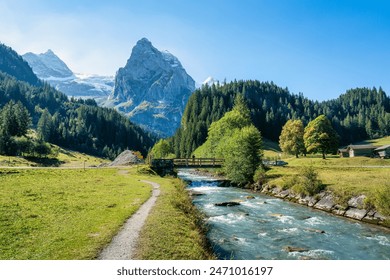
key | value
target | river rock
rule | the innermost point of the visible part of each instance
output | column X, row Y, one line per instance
column 276, row 190
column 293, row 196
column 283, row 193
column 276, row 215
column 315, row 230
column 266, row 188
column 357, row 201
column 339, row 210
column 195, row 193
column 294, row 249
column 355, row 213
column 370, row 217
column 308, row 200
column 228, row 203
column 250, row 197
column 379, row 216
column 326, row 203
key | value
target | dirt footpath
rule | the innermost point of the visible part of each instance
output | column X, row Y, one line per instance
column 124, row 243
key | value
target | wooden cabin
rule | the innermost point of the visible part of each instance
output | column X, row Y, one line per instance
column 383, row 151
column 343, row 152
column 361, row 150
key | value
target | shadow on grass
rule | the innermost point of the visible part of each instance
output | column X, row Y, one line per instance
column 45, row 162
column 274, row 176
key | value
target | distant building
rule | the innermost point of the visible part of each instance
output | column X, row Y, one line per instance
column 383, row 151
column 343, row 152
column 361, row 150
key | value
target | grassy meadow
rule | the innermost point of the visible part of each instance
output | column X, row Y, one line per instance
column 64, row 158
column 345, row 177
column 64, row 213
column 343, row 181
column 70, row 213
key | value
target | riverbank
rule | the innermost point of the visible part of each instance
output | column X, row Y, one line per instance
column 352, row 205
column 326, row 201
column 258, row 226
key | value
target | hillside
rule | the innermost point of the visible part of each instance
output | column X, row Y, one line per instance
column 64, row 158
column 76, row 124
column 358, row 114
column 13, row 64
column 377, row 142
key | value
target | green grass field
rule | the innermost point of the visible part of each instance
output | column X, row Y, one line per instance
column 53, row 213
column 65, row 158
column 345, row 177
column 64, row 213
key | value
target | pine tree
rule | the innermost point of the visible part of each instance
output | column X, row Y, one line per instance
column 44, row 127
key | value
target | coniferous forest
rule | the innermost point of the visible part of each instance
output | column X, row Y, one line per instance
column 76, row 124
column 359, row 114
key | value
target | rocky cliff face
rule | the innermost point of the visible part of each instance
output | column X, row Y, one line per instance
column 152, row 89
column 49, row 67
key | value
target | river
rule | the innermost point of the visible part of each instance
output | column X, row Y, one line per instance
column 263, row 227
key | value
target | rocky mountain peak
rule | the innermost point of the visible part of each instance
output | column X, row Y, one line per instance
column 152, row 89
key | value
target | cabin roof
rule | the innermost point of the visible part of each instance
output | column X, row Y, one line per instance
column 382, row 148
column 362, row 147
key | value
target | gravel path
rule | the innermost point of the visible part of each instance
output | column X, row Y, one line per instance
column 124, row 243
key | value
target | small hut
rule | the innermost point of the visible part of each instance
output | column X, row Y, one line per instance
column 383, row 151
column 343, row 152
column 361, row 150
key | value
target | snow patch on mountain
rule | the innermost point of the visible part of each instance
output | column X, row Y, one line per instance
column 49, row 67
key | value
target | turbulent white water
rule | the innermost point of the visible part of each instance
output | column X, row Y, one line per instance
column 270, row 228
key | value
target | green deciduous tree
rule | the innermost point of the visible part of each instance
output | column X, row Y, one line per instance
column 237, row 140
column 320, row 136
column 242, row 153
column 162, row 149
column 291, row 138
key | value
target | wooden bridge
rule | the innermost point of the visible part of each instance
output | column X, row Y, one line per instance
column 197, row 162
column 165, row 166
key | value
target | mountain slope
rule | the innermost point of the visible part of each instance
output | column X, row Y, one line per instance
column 76, row 124
column 152, row 89
column 358, row 114
column 49, row 67
column 14, row 65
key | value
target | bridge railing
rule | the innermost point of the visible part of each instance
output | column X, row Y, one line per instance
column 198, row 161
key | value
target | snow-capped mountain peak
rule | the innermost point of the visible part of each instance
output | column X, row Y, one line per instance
column 49, row 67
column 210, row 81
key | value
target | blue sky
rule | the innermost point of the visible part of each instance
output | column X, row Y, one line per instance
column 320, row 48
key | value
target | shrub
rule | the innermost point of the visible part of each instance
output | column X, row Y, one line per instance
column 291, row 182
column 260, row 176
column 381, row 200
column 307, row 183
column 310, row 182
